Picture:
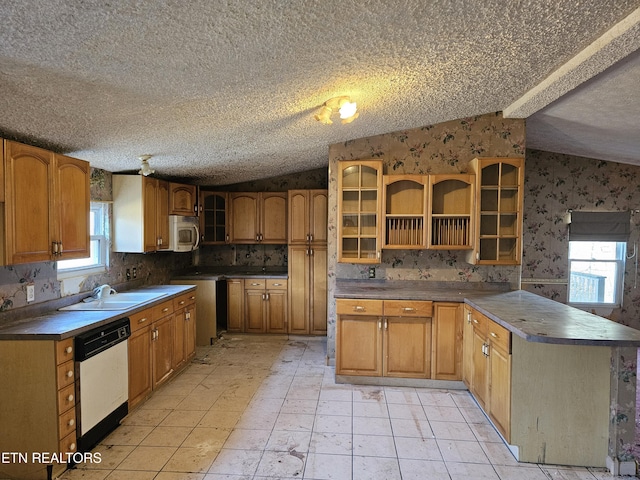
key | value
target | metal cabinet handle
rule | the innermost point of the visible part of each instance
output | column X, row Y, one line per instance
column 68, row 349
column 358, row 308
column 142, row 320
column 494, row 335
column 408, row 309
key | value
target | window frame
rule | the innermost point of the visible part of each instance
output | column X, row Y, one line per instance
column 618, row 286
column 102, row 235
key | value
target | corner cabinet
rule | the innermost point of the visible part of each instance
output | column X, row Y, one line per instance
column 46, row 205
column 359, row 211
column 140, row 214
column 499, row 200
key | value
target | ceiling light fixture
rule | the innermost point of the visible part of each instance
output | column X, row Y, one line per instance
column 145, row 168
column 347, row 109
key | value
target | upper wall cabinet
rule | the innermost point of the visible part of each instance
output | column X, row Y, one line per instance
column 499, row 196
column 359, row 207
column 258, row 217
column 451, row 212
column 140, row 214
column 405, row 202
column 46, row 205
column 182, row 199
column 308, row 217
column 213, row 218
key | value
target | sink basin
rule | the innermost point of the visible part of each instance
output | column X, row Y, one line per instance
column 116, row 301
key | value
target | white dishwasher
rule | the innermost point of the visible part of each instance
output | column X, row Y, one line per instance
column 102, row 366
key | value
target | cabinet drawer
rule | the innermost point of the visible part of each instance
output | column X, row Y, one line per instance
column 162, row 310
column 64, row 351
column 276, row 284
column 479, row 322
column 65, row 374
column 66, row 398
column 407, row 308
column 255, row 283
column 140, row 320
column 67, row 423
column 68, row 443
column 500, row 337
column 184, row 300
column 349, row 306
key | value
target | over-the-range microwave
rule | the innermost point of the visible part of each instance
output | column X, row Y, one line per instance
column 184, row 233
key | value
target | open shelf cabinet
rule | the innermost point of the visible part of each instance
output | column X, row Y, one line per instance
column 359, row 187
column 451, row 211
column 499, row 183
column 405, row 205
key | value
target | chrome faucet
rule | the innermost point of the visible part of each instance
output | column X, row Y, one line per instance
column 103, row 291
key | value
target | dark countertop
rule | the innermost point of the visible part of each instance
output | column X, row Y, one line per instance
column 222, row 273
column 58, row 325
column 530, row 316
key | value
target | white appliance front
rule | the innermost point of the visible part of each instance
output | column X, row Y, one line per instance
column 104, row 384
column 184, row 233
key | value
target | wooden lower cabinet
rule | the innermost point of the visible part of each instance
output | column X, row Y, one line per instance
column 446, row 359
column 162, row 341
column 383, row 338
column 235, row 305
column 257, row 305
column 308, row 289
column 38, row 415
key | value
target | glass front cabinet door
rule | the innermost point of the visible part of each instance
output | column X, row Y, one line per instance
column 359, row 208
column 499, row 210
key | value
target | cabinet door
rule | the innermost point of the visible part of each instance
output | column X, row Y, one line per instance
column 243, row 223
column 407, row 347
column 499, row 404
column 273, row 218
column 140, row 382
column 29, row 192
column 318, row 290
column 359, row 345
column 182, row 199
column 179, row 355
column 162, row 213
column 298, row 217
column 479, row 381
column 467, row 348
column 276, row 311
column 213, row 218
column 318, row 215
column 235, row 310
column 254, row 310
column 190, row 331
column 359, row 211
column 447, row 341
column 149, row 196
column 162, row 350
column 299, row 288
column 72, row 207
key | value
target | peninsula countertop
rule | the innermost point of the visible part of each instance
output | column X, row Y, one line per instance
column 530, row 316
column 58, row 325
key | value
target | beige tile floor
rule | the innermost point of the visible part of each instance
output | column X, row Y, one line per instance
column 253, row 407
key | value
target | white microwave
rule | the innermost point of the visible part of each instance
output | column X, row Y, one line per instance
column 184, row 234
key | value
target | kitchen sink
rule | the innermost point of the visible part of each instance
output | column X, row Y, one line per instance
column 116, row 301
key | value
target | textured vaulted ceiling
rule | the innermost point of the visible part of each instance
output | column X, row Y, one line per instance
column 225, row 91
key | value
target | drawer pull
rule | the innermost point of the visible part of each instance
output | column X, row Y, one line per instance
column 255, row 284
column 71, row 422
column 70, row 398
column 142, row 320
column 277, row 284
column 166, row 309
column 494, row 335
column 408, row 309
column 68, row 349
column 475, row 321
column 72, row 447
column 192, row 297
column 181, row 302
column 358, row 308
column 70, row 373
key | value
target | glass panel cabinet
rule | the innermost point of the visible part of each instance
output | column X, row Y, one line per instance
column 359, row 187
column 499, row 210
column 213, row 218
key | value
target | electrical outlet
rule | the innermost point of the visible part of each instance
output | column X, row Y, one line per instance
column 135, row 272
column 128, row 274
column 31, row 292
column 372, row 272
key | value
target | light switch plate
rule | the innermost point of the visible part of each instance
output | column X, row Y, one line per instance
column 31, row 292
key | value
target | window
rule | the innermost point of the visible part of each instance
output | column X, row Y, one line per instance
column 99, row 238
column 596, row 272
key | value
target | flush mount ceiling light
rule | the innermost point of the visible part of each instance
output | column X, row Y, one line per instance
column 145, row 169
column 343, row 105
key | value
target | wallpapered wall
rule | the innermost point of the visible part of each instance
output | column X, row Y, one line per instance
column 151, row 268
column 443, row 148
